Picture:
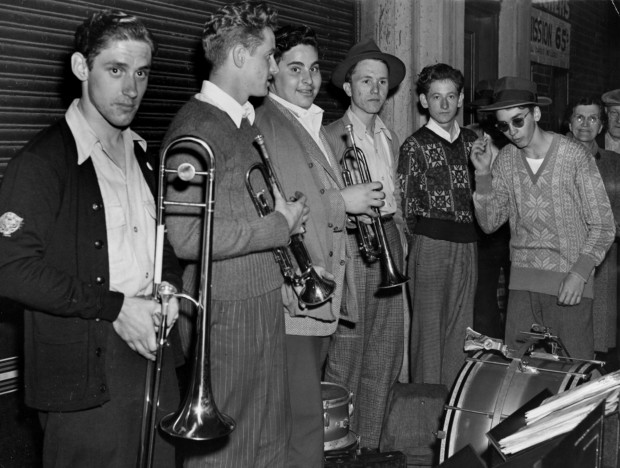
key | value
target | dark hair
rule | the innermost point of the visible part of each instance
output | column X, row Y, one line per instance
column 439, row 72
column 586, row 101
column 237, row 23
column 350, row 71
column 95, row 33
column 290, row 36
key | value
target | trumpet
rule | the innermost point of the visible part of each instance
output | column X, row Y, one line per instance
column 197, row 418
column 314, row 289
column 371, row 238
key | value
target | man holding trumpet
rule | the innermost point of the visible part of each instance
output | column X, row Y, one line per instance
column 77, row 218
column 366, row 356
column 295, row 138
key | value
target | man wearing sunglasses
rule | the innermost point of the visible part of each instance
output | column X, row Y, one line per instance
column 611, row 139
column 549, row 188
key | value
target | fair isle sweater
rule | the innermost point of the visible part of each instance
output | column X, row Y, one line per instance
column 560, row 217
column 435, row 177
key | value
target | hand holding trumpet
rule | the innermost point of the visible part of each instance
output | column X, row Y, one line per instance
column 361, row 199
column 295, row 211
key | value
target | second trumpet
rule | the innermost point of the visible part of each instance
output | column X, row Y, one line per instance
column 314, row 289
column 371, row 238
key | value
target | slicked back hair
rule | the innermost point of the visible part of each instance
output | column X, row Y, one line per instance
column 102, row 27
column 237, row 23
column 290, row 36
column 439, row 72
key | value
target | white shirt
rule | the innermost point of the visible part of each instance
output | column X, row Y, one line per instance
column 377, row 148
column 433, row 126
column 216, row 96
column 128, row 204
column 311, row 119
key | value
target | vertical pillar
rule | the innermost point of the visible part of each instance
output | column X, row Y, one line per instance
column 420, row 33
column 388, row 22
column 514, row 39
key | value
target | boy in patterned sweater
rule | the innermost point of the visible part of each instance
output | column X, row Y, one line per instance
column 437, row 206
column 561, row 224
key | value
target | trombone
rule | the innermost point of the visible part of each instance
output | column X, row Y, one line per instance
column 371, row 238
column 197, row 418
column 314, row 289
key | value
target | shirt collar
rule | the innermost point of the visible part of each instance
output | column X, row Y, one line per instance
column 313, row 116
column 299, row 112
column 360, row 128
column 216, row 96
column 86, row 138
column 435, row 128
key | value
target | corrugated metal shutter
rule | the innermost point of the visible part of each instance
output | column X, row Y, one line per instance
column 36, row 40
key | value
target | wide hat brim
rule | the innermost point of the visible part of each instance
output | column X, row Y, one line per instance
column 508, row 103
column 513, row 91
column 396, row 68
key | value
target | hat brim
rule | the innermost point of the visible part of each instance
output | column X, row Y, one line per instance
column 396, row 67
column 479, row 103
column 542, row 101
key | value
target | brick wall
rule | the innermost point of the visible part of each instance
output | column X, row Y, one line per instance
column 591, row 21
column 594, row 61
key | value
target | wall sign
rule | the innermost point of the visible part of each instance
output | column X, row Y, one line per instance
column 549, row 40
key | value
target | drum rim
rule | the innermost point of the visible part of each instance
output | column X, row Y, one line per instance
column 343, row 442
column 459, row 391
column 334, row 402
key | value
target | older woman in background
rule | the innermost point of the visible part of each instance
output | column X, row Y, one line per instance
column 586, row 119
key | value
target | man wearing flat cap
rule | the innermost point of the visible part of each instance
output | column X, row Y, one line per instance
column 549, row 188
column 611, row 99
column 366, row 357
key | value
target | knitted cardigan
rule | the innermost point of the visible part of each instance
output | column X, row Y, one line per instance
column 560, row 217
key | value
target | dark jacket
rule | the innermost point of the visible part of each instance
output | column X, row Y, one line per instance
column 56, row 265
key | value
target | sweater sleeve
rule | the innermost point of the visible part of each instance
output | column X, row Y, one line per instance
column 408, row 175
column 30, row 199
column 231, row 237
column 491, row 198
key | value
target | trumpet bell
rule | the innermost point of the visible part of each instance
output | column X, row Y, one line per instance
column 392, row 279
column 316, row 290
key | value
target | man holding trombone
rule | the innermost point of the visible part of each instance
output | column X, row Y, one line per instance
column 77, row 250
column 248, row 372
column 366, row 356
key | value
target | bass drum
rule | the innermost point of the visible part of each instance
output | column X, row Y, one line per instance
column 490, row 388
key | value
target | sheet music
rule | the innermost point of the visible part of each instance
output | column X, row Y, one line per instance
column 561, row 413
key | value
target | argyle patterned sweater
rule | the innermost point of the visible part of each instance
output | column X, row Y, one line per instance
column 560, row 217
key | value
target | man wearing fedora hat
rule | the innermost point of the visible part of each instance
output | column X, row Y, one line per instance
column 436, row 179
column 366, row 357
column 549, row 188
column 611, row 99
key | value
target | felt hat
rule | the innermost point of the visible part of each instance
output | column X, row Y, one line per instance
column 364, row 50
column 611, row 98
column 512, row 91
column 483, row 95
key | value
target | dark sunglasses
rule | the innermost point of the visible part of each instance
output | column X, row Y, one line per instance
column 517, row 122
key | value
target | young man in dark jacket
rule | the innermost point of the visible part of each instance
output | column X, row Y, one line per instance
column 77, row 218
